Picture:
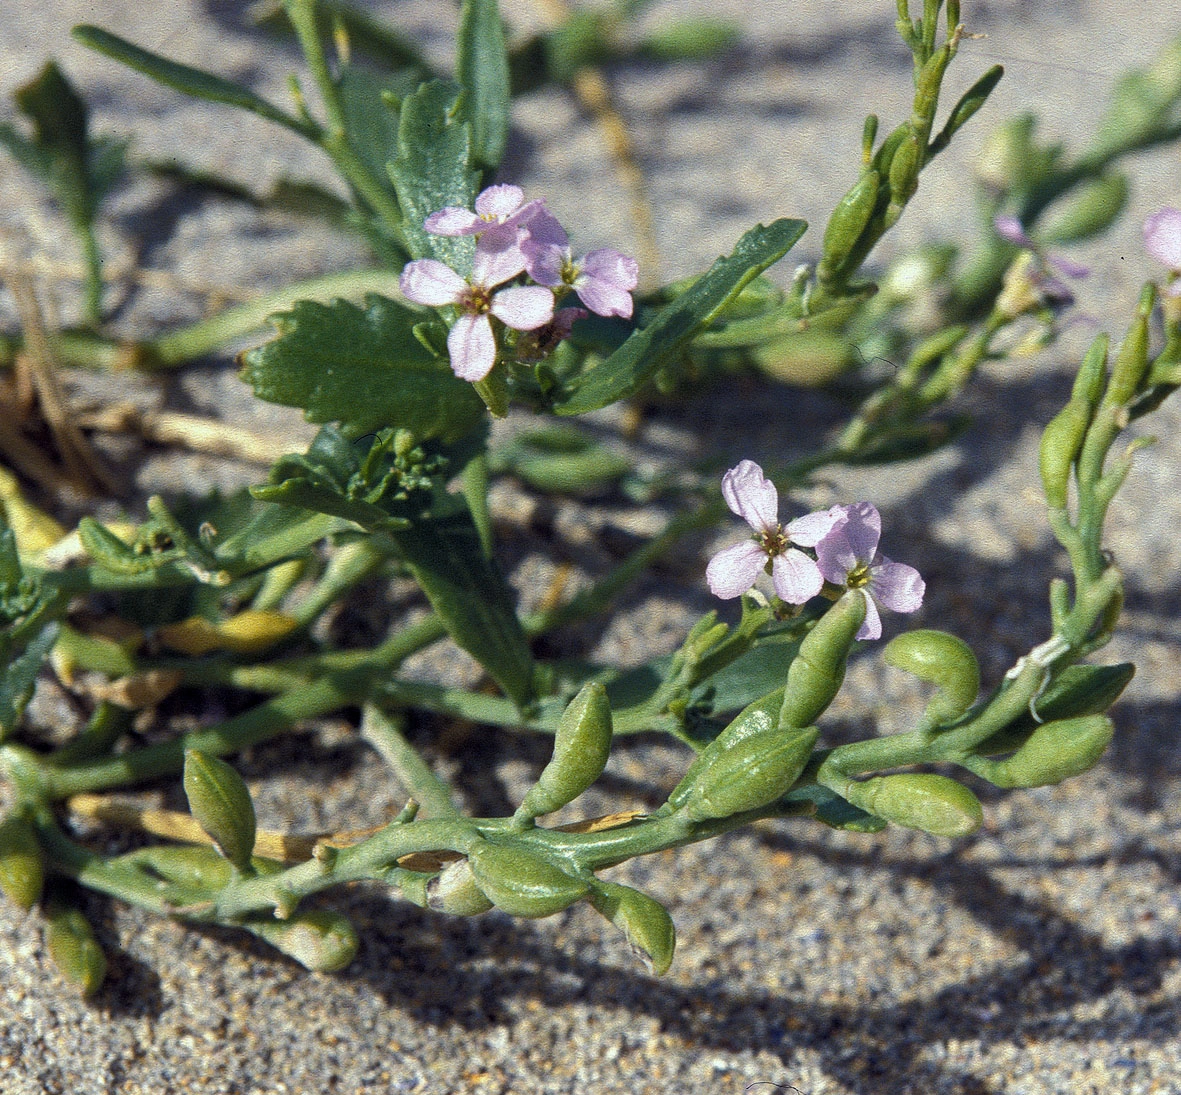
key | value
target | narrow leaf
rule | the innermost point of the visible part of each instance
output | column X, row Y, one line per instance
column 481, row 66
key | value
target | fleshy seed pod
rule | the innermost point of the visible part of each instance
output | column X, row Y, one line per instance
column 818, row 670
column 919, row 800
column 944, row 661
column 523, row 883
column 582, row 745
column 22, row 871
column 1053, row 752
column 73, row 948
column 318, row 939
column 220, row 802
column 643, row 919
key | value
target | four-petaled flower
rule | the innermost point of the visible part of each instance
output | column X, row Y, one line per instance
column 1162, row 240
column 497, row 205
column 471, row 341
column 848, row 555
column 603, row 279
column 796, row 576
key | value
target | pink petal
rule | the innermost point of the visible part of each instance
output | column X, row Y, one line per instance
column 472, row 347
column 897, row 586
column 810, row 529
column 1008, row 227
column 428, row 281
column 732, row 571
column 524, row 307
column 1162, row 237
column 1069, row 267
column 498, row 257
column 499, row 201
column 863, row 529
column 796, row 577
column 545, row 263
column 612, row 267
column 603, row 298
column 871, row 626
column 545, row 230
column 454, row 221
column 751, row 496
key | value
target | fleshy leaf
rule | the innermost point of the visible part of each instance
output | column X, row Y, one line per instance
column 678, row 321
column 481, row 66
column 360, row 367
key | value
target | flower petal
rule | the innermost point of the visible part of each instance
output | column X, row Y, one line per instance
column 733, row 570
column 863, row 529
column 810, row 529
column 545, row 263
column 871, row 626
column 499, row 201
column 524, row 307
column 1008, row 227
column 751, row 496
column 543, row 229
column 796, row 577
column 899, row 587
column 605, row 281
column 428, row 281
column 454, row 221
column 498, row 256
column 472, row 347
column 1162, row 237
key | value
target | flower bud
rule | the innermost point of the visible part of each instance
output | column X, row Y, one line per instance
column 318, row 939
column 73, row 948
column 220, row 802
column 522, row 883
column 582, row 745
column 905, row 168
column 22, row 870
column 454, row 891
column 1089, row 209
column 753, row 772
column 645, row 922
column 942, row 660
column 919, row 800
column 1053, row 752
column 818, row 670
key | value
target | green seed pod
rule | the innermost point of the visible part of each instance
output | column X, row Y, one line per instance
column 751, row 773
column 1062, row 441
column 1131, row 362
column 644, row 920
column 1054, row 752
column 220, row 802
column 905, row 168
column 73, row 948
column 1089, row 209
column 582, row 745
column 454, row 891
column 22, row 870
column 918, row 800
column 942, row 660
column 1092, row 373
column 818, row 670
column 318, row 939
column 849, row 219
column 523, row 883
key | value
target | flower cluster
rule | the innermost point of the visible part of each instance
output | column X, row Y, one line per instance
column 844, row 552
column 514, row 238
column 1162, row 240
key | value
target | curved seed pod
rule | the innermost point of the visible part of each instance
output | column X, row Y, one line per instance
column 849, row 219
column 523, row 883
column 818, row 670
column 1054, row 752
column 754, row 718
column 944, row 661
column 757, row 770
column 73, row 948
column 1131, row 362
column 1090, row 209
column 643, row 919
column 919, row 800
column 1062, row 441
column 220, row 802
column 454, row 891
column 318, row 939
column 582, row 745
column 22, row 869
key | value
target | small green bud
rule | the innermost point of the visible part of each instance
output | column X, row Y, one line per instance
column 942, row 660
column 1062, row 441
column 919, row 800
column 1131, row 362
column 749, row 774
column 1054, row 752
column 645, row 922
column 849, row 219
column 22, row 870
column 1089, row 209
column 582, row 745
column 454, row 891
column 318, row 939
column 818, row 670
column 73, row 948
column 1092, row 373
column 220, row 802
column 522, row 883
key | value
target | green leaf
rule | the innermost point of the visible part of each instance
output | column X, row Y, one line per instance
column 481, row 66
column 186, row 79
column 678, row 321
column 20, row 675
column 433, row 169
column 468, row 592
column 360, row 367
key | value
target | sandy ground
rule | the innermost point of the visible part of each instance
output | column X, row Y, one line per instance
column 1039, row 957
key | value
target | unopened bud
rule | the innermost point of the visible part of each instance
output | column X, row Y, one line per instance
column 454, row 891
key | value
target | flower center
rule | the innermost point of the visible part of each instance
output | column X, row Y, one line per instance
column 476, row 300
column 774, row 542
column 859, row 576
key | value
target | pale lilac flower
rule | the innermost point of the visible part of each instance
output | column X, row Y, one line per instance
column 734, row 570
column 848, row 556
column 603, row 279
column 1052, row 289
column 497, row 205
column 471, row 341
column 1162, row 240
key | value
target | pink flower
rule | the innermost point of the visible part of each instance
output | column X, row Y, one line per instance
column 848, row 556
column 498, row 205
column 734, row 570
column 1162, row 240
column 471, row 341
column 1053, row 290
column 603, row 279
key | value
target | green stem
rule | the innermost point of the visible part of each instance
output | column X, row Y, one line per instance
column 385, row 735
